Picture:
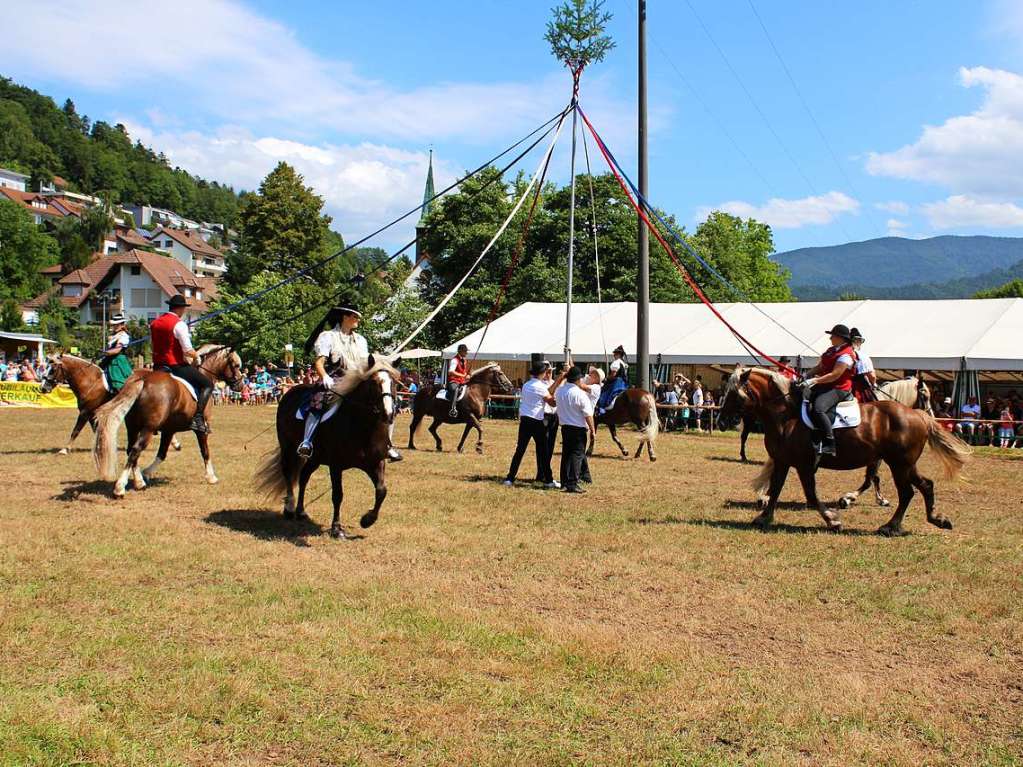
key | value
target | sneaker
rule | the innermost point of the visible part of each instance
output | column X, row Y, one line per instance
column 394, row 456
column 555, row 485
column 507, row 483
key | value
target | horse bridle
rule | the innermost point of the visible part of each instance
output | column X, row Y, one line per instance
column 238, row 379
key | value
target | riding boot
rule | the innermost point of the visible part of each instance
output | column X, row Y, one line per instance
column 199, row 425
column 452, row 390
column 312, row 420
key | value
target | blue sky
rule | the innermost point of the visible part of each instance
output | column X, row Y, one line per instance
column 920, row 104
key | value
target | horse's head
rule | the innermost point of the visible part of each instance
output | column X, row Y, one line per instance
column 56, row 374
column 752, row 389
column 374, row 386
column 222, row 363
column 499, row 380
column 923, row 397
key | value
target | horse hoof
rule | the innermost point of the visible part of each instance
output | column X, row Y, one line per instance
column 63, row 451
column 844, row 502
column 834, row 527
column 761, row 522
column 653, row 458
column 212, row 480
column 118, row 493
column 884, row 502
column 891, row 532
column 479, row 451
column 368, row 519
column 337, row 532
column 943, row 522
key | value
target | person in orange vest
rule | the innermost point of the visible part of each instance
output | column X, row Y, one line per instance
column 831, row 383
column 458, row 375
column 172, row 350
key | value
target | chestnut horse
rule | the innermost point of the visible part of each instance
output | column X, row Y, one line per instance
column 636, row 406
column 355, row 437
column 150, row 402
column 88, row 383
column 470, row 408
column 888, row 431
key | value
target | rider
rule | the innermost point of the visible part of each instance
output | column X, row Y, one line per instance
column 831, row 383
column 115, row 360
column 458, row 375
column 786, row 369
column 864, row 378
column 617, row 380
column 172, row 349
column 338, row 348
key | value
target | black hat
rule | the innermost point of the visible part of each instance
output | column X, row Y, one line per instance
column 784, row 360
column 574, row 374
column 855, row 335
column 177, row 300
column 462, row 346
column 839, row 330
column 537, row 368
column 620, row 350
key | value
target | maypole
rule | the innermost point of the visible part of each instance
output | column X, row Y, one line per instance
column 577, row 39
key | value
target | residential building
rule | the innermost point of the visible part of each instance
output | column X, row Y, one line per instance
column 13, row 180
column 136, row 282
column 194, row 253
column 37, row 204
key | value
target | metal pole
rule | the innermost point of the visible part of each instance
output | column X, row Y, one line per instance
column 643, row 276
column 103, row 340
column 571, row 244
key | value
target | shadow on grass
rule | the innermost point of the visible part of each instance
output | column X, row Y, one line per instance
column 74, row 490
column 267, row 525
column 776, row 527
column 752, row 505
column 44, row 451
column 730, row 459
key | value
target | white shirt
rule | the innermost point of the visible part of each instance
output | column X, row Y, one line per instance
column 697, row 396
column 453, row 365
column 573, row 406
column 184, row 336
column 594, row 393
column 532, row 401
column 121, row 338
column 864, row 364
column 616, row 366
column 350, row 349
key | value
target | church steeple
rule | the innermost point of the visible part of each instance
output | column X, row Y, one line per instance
column 428, row 191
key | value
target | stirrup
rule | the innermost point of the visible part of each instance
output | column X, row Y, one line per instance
column 305, row 450
column 199, row 425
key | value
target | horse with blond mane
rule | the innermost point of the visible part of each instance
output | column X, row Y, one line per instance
column 887, row 431
column 470, row 407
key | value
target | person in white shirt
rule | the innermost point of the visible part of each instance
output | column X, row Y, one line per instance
column 575, row 411
column 864, row 378
column 697, row 400
column 594, row 382
column 338, row 348
column 536, row 394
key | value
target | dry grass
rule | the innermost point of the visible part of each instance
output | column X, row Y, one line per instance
column 475, row 624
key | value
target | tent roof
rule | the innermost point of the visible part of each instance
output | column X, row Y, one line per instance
column 930, row 335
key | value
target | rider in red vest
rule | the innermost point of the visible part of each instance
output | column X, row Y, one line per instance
column 172, row 350
column 458, row 375
column 831, row 383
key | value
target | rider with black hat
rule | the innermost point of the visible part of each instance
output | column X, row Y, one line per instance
column 831, row 383
column 172, row 349
column 338, row 347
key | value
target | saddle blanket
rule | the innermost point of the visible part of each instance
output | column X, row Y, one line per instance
column 188, row 387
column 443, row 393
column 847, row 415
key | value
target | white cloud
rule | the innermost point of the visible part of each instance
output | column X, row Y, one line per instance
column 897, row 207
column 217, row 57
column 979, row 154
column 896, row 228
column 363, row 185
column 791, row 214
column 960, row 211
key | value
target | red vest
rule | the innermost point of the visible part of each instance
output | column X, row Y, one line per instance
column 827, row 364
column 461, row 372
column 166, row 349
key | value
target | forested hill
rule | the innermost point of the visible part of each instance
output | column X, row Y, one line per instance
column 895, row 267
column 41, row 139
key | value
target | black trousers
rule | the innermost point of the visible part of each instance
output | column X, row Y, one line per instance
column 203, row 386
column 820, row 405
column 532, row 429
column 574, row 467
column 550, row 424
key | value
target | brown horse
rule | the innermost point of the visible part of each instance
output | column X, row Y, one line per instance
column 888, row 431
column 638, row 407
column 470, row 408
column 88, row 383
column 150, row 402
column 356, row 437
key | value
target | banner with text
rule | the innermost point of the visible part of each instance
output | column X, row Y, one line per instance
column 25, row 394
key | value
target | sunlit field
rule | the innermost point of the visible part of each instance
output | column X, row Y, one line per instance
column 644, row 622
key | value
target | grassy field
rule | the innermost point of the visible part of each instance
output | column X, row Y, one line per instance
column 643, row 623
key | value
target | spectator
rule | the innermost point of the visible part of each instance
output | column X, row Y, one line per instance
column 1006, row 428
column 27, row 372
column 708, row 401
column 575, row 410
column 697, row 400
column 969, row 413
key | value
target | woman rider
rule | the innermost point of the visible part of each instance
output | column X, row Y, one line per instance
column 617, row 380
column 115, row 359
column 831, row 383
column 864, row 378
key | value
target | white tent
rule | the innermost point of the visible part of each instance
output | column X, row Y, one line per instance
column 927, row 335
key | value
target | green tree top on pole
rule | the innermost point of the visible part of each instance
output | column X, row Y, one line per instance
column 576, row 34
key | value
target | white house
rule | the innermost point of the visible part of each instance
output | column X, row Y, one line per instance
column 191, row 250
column 13, row 180
column 136, row 282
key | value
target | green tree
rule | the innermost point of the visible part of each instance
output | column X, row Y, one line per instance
column 24, row 251
column 10, row 315
column 741, row 251
column 576, row 33
column 850, row 295
column 79, row 238
column 55, row 320
column 1013, row 289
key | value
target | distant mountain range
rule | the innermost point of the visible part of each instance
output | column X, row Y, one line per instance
column 895, row 267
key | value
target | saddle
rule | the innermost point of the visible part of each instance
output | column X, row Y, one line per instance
column 845, row 416
column 443, row 393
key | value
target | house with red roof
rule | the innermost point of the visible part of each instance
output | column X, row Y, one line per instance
column 191, row 250
column 139, row 283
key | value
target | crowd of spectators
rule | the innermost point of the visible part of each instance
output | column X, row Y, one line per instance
column 23, row 369
column 998, row 422
column 685, row 405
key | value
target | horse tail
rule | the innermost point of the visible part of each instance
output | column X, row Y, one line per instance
column 950, row 450
column 108, row 420
column 762, row 483
column 650, row 430
column 269, row 476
